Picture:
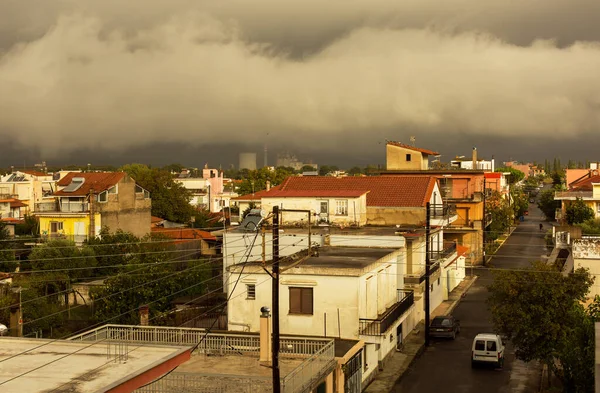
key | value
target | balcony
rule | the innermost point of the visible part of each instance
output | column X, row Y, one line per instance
column 442, row 254
column 442, row 214
column 572, row 195
column 378, row 327
column 65, row 207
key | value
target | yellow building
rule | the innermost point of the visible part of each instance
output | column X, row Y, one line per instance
column 86, row 202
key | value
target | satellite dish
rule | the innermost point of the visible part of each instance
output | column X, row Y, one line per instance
column 3, row 330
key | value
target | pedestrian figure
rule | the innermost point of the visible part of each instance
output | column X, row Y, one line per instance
column 541, row 227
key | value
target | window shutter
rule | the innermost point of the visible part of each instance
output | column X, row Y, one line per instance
column 307, row 301
column 295, row 301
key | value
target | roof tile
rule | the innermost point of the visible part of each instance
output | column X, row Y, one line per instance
column 98, row 181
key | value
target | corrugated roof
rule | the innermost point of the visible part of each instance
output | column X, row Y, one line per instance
column 98, row 181
column 391, row 191
column 425, row 151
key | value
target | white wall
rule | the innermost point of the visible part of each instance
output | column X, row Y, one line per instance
column 357, row 209
column 367, row 241
column 586, row 254
column 237, row 245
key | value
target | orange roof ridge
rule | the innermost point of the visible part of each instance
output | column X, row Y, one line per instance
column 425, row 151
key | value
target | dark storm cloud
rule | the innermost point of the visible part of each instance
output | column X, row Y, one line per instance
column 112, row 75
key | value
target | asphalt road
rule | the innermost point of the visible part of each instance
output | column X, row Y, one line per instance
column 445, row 366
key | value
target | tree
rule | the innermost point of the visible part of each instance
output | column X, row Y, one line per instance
column 7, row 254
column 203, row 218
column 538, row 310
column 308, row 168
column 29, row 227
column 515, row 174
column 557, row 180
column 113, row 250
column 547, row 204
column 256, row 180
column 578, row 212
column 502, row 215
column 355, row 170
column 324, row 170
column 170, row 200
column 156, row 283
column 590, row 227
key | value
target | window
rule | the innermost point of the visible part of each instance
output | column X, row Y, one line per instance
column 438, row 281
column 103, row 196
column 479, row 345
column 324, row 207
column 408, row 157
column 341, row 207
column 301, row 300
column 250, row 291
column 491, row 346
column 598, row 207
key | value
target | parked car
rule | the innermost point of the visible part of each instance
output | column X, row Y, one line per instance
column 531, row 200
column 444, row 326
column 488, row 348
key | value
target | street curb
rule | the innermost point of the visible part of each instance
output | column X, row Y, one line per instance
column 512, row 229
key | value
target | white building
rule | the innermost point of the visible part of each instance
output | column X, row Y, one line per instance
column 30, row 187
column 350, row 292
column 207, row 191
column 586, row 254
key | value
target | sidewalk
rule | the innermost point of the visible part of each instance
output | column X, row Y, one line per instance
column 399, row 362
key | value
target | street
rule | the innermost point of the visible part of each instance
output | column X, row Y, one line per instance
column 445, row 365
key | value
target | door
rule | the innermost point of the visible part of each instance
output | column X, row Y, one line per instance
column 79, row 232
column 324, row 211
column 399, row 337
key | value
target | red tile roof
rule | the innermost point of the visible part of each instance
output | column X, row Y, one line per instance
column 14, row 202
column 257, row 196
column 99, row 181
column 424, row 151
column 585, row 183
column 315, row 193
column 462, row 250
column 184, row 233
column 154, row 219
column 391, row 191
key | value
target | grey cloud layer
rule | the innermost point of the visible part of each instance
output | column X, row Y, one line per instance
column 224, row 72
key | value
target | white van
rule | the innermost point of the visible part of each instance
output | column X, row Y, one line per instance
column 488, row 348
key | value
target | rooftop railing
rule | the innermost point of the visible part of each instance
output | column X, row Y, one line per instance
column 318, row 355
column 378, row 327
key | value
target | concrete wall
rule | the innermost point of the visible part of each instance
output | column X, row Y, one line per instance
column 586, row 254
column 396, row 159
column 126, row 210
column 395, row 215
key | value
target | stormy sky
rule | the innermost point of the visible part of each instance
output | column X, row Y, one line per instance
column 162, row 81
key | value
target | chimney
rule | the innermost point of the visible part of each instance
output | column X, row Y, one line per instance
column 144, row 315
column 474, row 158
column 265, row 335
column 268, row 185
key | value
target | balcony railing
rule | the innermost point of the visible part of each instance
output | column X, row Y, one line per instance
column 442, row 254
column 378, row 327
column 65, row 207
column 441, row 210
column 573, row 194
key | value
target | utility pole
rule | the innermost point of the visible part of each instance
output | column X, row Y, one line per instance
column 427, row 271
column 484, row 221
column 275, row 301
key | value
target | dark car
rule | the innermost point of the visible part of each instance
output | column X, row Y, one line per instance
column 444, row 326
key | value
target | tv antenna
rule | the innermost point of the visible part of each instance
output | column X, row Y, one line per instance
column 412, row 140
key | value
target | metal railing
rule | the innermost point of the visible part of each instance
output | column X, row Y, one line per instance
column 65, row 207
column 378, row 327
column 214, row 343
column 442, row 254
column 441, row 210
column 573, row 194
column 311, row 371
column 318, row 357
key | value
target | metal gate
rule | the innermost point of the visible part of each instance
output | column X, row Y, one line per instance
column 353, row 374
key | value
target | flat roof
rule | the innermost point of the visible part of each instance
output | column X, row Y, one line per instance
column 67, row 366
column 343, row 257
column 237, row 365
